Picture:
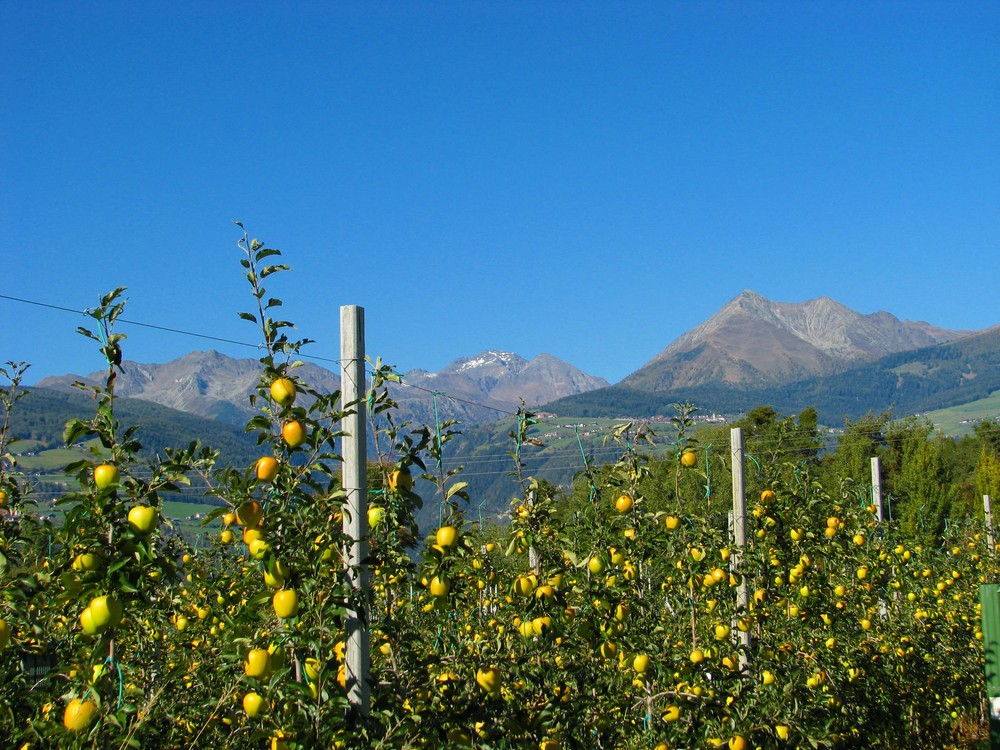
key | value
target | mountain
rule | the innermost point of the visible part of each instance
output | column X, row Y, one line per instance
column 208, row 384
column 933, row 377
column 754, row 341
column 753, row 351
column 479, row 389
column 472, row 389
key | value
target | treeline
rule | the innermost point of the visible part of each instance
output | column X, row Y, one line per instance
column 929, row 481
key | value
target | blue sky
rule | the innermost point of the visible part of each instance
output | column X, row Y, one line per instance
column 585, row 179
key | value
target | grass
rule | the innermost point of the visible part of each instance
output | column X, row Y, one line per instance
column 959, row 420
column 180, row 510
column 52, row 460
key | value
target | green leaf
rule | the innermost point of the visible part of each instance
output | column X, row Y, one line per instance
column 84, row 332
column 512, row 546
column 261, row 598
column 456, row 488
column 248, row 316
column 268, row 270
column 74, row 430
column 111, row 296
column 221, row 511
column 258, row 423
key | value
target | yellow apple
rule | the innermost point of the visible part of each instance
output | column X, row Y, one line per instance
column 252, row 704
column 283, row 391
column 488, row 679
column 143, row 519
column 87, row 622
column 266, row 468
column 80, row 714
column 257, row 662
column 293, row 433
column 106, row 475
column 249, row 514
column 446, row 536
column 286, row 603
column 86, row 561
column 401, row 480
column 440, row 586
column 106, row 612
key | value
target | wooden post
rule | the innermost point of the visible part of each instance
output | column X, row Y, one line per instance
column 877, row 489
column 534, row 557
column 883, row 608
column 355, row 481
column 739, row 535
column 988, row 518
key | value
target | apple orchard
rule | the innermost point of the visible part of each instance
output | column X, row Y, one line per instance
column 616, row 625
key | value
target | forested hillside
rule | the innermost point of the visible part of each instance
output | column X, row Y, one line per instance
column 42, row 415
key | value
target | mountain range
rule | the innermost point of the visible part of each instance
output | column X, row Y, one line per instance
column 791, row 355
column 754, row 351
column 471, row 389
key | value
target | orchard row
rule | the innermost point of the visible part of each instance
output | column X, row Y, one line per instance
column 616, row 622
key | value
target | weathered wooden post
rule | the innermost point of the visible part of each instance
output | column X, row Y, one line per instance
column 988, row 519
column 355, row 482
column 739, row 535
column 883, row 608
column 534, row 556
column 877, row 489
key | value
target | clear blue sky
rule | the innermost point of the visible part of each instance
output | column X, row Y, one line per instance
column 588, row 179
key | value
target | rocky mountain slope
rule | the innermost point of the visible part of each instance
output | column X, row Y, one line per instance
column 753, row 340
column 482, row 388
column 752, row 346
column 470, row 389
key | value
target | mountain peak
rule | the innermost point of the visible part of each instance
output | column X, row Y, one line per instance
column 754, row 339
column 491, row 381
column 748, row 295
column 491, row 358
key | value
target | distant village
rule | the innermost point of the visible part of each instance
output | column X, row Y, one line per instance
column 586, row 429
